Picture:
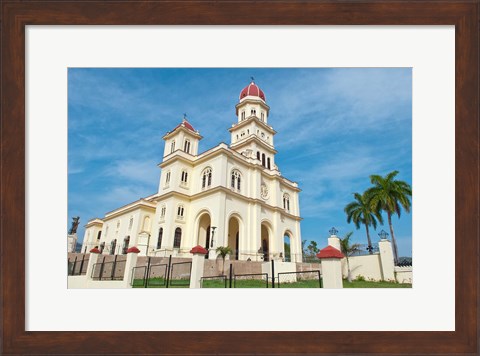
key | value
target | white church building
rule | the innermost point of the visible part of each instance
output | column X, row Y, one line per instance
column 229, row 195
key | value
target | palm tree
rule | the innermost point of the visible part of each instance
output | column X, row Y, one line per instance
column 390, row 195
column 223, row 251
column 360, row 212
column 348, row 250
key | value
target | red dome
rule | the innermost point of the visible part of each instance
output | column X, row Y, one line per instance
column 252, row 89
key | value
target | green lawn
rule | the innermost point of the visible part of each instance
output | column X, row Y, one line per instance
column 256, row 283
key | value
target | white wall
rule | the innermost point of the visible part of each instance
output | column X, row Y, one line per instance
column 404, row 274
column 367, row 266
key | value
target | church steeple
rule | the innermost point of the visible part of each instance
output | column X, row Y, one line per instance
column 183, row 137
column 252, row 132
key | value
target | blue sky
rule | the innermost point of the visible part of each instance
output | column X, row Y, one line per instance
column 335, row 127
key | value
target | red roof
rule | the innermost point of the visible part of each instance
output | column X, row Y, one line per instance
column 252, row 89
column 133, row 249
column 95, row 250
column 186, row 124
column 199, row 249
column 330, row 252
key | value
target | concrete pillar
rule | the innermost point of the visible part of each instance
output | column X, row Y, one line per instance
column 132, row 255
column 92, row 259
column 386, row 260
column 198, row 262
column 331, row 267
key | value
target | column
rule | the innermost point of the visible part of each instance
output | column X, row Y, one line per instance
column 331, row 267
column 198, row 262
column 132, row 255
column 386, row 260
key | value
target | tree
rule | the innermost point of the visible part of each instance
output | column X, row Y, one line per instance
column 223, row 251
column 390, row 195
column 312, row 249
column 360, row 212
column 348, row 250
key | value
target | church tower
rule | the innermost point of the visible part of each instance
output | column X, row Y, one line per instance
column 183, row 137
column 252, row 135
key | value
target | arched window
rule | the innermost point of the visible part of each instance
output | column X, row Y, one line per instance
column 160, row 235
column 126, row 242
column 113, row 245
column 243, row 115
column 163, row 211
column 146, row 223
column 206, row 178
column 262, row 116
column 236, row 179
column 263, row 159
column 258, row 155
column 268, row 162
column 99, row 235
column 286, row 202
column 172, row 146
column 102, row 247
column 177, row 240
column 130, row 224
column 187, row 146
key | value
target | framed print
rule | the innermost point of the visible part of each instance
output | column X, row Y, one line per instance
column 439, row 315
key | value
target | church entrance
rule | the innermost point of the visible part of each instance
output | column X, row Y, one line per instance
column 234, row 237
column 265, row 243
column 204, row 230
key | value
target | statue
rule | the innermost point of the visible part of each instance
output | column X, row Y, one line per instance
column 75, row 223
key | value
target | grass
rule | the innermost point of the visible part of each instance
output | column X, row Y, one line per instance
column 257, row 283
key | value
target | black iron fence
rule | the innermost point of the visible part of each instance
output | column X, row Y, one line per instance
column 109, row 271
column 364, row 249
column 163, row 275
column 214, row 281
column 78, row 266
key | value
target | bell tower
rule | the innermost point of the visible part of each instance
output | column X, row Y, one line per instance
column 252, row 132
column 183, row 137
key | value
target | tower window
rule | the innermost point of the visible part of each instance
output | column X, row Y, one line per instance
column 207, row 178
column 172, row 146
column 243, row 115
column 180, row 211
column 163, row 211
column 263, row 159
column 130, row 224
column 236, row 180
column 160, row 235
column 184, row 177
column 268, row 162
column 258, row 155
column 178, row 238
column 262, row 116
column 286, row 202
column 167, row 178
column 187, row 146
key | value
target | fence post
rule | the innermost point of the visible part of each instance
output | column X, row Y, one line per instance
column 331, row 267
column 273, row 274
column 81, row 265
column 168, row 270
column 147, row 272
column 386, row 260
column 198, row 263
column 130, row 263
column 74, row 265
column 231, row 274
column 94, row 253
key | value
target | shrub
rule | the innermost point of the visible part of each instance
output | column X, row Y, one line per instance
column 360, row 278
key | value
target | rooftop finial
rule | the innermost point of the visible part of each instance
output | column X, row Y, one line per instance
column 184, row 116
column 253, row 79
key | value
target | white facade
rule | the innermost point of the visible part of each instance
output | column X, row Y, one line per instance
column 226, row 196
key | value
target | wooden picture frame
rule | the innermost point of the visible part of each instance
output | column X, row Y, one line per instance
column 17, row 14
